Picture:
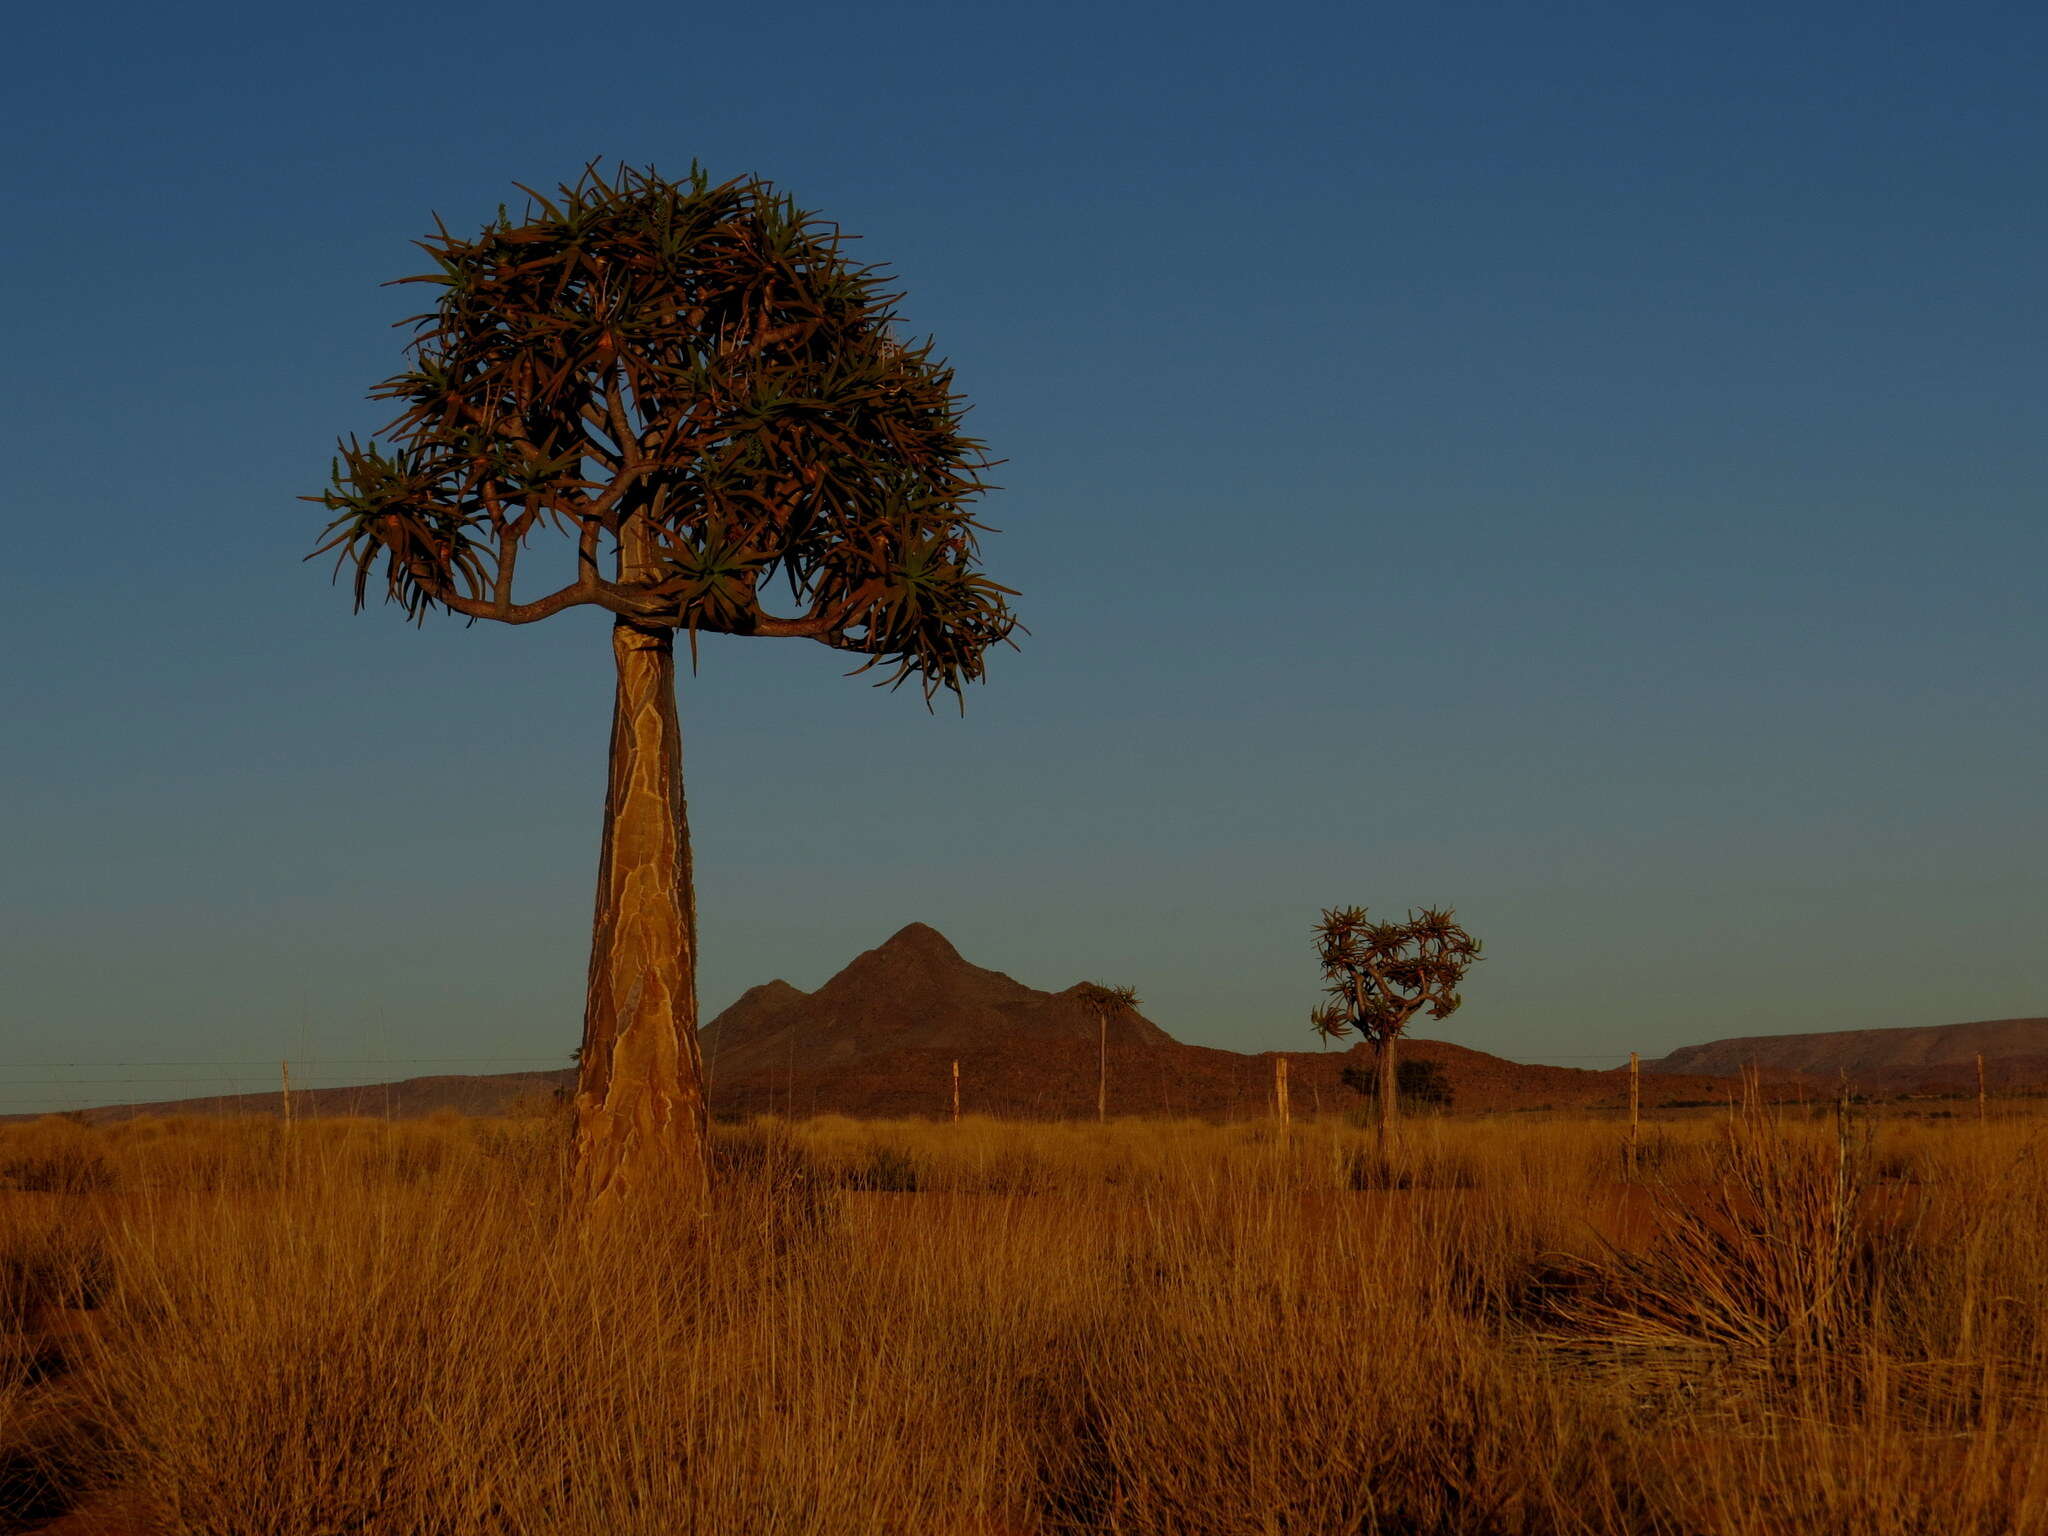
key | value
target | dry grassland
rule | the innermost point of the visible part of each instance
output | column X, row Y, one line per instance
column 989, row 1329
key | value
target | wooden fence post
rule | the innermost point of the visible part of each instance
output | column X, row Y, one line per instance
column 1635, row 1108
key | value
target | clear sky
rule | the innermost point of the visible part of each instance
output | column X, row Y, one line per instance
column 1580, row 463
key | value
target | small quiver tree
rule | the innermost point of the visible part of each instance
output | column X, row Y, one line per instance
column 696, row 394
column 1106, row 1003
column 1378, row 976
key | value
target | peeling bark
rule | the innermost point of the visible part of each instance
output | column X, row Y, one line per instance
column 641, row 1128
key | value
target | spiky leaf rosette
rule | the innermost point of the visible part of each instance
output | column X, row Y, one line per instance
column 700, row 388
column 1379, row 975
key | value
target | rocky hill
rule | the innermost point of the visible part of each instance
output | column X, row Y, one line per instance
column 1935, row 1058
column 913, row 993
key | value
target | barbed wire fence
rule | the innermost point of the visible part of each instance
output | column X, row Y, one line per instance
column 26, row 1089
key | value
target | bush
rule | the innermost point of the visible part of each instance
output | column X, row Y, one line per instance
column 889, row 1169
column 1423, row 1084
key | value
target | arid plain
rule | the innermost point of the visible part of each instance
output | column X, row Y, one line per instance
column 1786, row 1313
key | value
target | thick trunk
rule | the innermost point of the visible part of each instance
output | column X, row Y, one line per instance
column 641, row 1132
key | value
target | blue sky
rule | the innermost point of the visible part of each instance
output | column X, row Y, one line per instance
column 1581, row 463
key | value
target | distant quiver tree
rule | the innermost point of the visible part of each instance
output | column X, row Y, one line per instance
column 695, row 398
column 1106, row 1003
column 1379, row 975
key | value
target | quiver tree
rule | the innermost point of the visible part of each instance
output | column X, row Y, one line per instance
column 694, row 399
column 1105, row 1003
column 1378, row 976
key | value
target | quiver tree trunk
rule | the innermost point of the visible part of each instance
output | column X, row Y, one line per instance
column 1102, row 1069
column 641, row 1131
column 1390, row 1088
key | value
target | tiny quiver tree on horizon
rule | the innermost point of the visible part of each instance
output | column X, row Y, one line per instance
column 696, row 394
column 1106, row 1003
column 1378, row 976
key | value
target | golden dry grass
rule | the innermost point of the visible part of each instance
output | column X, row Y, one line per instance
column 1144, row 1328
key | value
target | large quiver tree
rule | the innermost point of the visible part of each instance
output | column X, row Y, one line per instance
column 698, row 390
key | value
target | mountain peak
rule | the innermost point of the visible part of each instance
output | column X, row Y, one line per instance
column 919, row 939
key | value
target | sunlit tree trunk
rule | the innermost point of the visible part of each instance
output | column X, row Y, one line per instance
column 1384, row 1121
column 641, row 1129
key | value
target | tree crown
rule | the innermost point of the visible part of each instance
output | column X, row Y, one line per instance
column 700, row 388
column 1107, row 1001
column 1379, row 975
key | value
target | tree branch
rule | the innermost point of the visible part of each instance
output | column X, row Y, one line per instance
column 587, row 592
column 621, row 429
column 811, row 627
column 597, row 441
column 508, row 561
column 1399, row 1004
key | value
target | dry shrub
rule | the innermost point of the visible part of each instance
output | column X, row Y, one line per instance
column 1245, row 1382
column 54, row 1155
column 51, row 1260
column 1810, row 1346
column 1778, row 1250
column 1371, row 1169
column 53, row 1272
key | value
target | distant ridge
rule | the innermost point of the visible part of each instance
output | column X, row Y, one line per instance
column 412, row 1098
column 1932, row 1058
column 880, row 1038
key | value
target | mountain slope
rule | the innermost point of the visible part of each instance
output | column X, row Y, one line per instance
column 412, row 1098
column 1927, row 1057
